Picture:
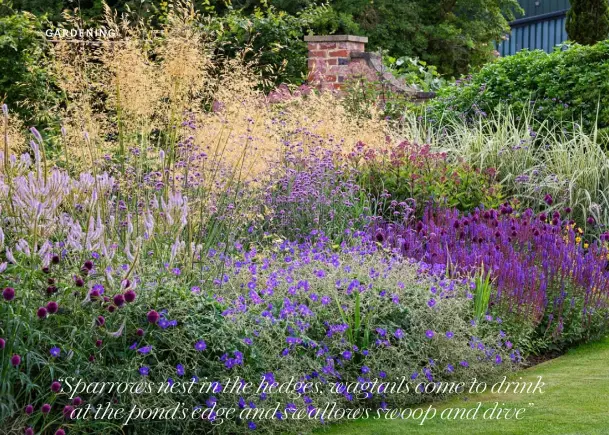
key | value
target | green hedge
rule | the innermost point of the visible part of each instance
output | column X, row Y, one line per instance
column 569, row 84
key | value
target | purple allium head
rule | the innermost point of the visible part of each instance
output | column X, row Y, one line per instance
column 52, row 307
column 77, row 401
column 200, row 346
column 29, row 409
column 55, row 259
column 78, row 281
column 15, row 360
column 29, row 431
column 548, row 199
column 100, row 321
column 119, row 300
column 591, row 221
column 42, row 312
column 60, row 431
column 88, row 265
column 55, row 387
column 2, row 343
column 45, row 409
column 130, row 296
column 98, row 343
column 67, row 411
column 152, row 316
column 8, row 294
column 139, row 332
column 55, row 352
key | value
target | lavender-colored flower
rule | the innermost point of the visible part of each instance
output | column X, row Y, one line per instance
column 55, row 352
column 200, row 346
column 144, row 370
column 429, row 333
column 180, row 370
column 145, row 349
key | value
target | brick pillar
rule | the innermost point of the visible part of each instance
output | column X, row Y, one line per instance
column 329, row 58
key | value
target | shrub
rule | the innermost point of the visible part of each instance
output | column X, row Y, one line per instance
column 588, row 21
column 414, row 173
column 566, row 85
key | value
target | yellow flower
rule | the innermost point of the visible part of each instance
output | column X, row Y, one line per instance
column 579, row 230
column 586, row 245
column 578, row 239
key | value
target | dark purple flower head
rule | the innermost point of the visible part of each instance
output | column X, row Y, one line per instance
column 548, row 199
column 29, row 431
column 2, row 343
column 100, row 321
column 55, row 259
column 67, row 411
column 88, row 265
column 152, row 316
column 45, row 409
column 119, row 300
column 130, row 296
column 55, row 387
column 52, row 307
column 15, row 360
column 77, row 401
column 139, row 332
column 42, row 312
column 60, row 431
column 591, row 220
column 8, row 294
column 29, row 410
column 78, row 281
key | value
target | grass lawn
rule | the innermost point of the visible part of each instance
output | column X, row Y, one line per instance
column 575, row 401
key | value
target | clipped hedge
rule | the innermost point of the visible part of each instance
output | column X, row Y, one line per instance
column 569, row 84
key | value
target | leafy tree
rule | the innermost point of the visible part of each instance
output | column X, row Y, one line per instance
column 453, row 35
column 25, row 84
column 588, row 21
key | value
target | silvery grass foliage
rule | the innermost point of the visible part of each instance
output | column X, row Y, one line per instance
column 560, row 160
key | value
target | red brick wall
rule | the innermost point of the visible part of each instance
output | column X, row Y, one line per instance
column 330, row 60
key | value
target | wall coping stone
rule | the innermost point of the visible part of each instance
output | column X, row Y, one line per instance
column 335, row 38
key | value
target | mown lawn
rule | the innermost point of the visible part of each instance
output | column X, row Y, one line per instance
column 575, row 401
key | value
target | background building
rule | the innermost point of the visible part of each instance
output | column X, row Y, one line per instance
column 541, row 27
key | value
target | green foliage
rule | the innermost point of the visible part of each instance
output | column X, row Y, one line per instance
column 482, row 293
column 453, row 35
column 415, row 72
column 588, row 21
column 414, row 172
column 25, row 84
column 567, row 85
column 275, row 38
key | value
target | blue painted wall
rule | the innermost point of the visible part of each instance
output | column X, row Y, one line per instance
column 542, row 27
